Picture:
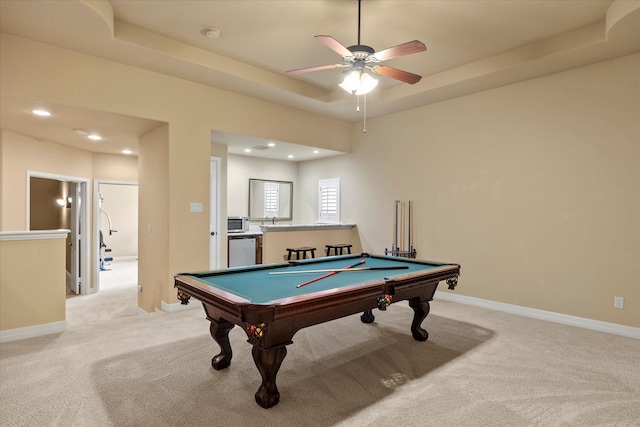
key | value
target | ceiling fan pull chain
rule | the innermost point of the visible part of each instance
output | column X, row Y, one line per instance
column 364, row 123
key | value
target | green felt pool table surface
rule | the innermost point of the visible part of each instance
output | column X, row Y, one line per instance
column 258, row 284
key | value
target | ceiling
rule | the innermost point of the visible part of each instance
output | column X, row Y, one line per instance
column 472, row 45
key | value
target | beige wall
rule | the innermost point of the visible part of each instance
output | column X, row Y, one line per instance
column 44, row 211
column 242, row 168
column 533, row 188
column 153, row 224
column 22, row 153
column 32, row 282
column 107, row 166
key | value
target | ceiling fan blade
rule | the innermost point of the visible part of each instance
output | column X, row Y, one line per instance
column 334, row 45
column 407, row 48
column 317, row 68
column 394, row 73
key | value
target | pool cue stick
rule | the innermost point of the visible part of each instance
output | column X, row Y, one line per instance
column 338, row 270
column 327, row 275
column 409, row 232
column 400, row 222
column 395, row 229
column 402, row 226
column 409, row 226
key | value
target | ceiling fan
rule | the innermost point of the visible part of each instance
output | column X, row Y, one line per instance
column 360, row 58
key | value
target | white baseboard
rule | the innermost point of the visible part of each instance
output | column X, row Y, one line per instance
column 32, row 331
column 172, row 308
column 565, row 319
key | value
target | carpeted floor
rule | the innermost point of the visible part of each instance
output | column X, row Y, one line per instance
column 117, row 367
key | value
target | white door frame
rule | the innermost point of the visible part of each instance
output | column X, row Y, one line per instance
column 214, row 213
column 96, row 228
column 83, row 278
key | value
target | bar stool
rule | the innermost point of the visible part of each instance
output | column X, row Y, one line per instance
column 338, row 249
column 302, row 250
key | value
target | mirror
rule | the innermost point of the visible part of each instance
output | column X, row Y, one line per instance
column 270, row 199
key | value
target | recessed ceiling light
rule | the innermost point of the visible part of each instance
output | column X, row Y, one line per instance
column 271, row 144
column 316, row 151
column 41, row 113
column 127, row 151
column 247, row 150
column 94, row 137
column 290, row 156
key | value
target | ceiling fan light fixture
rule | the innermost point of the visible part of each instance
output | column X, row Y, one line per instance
column 368, row 83
column 358, row 82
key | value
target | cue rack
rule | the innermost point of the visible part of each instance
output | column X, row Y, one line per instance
column 402, row 245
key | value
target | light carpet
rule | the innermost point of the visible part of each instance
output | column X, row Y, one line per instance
column 117, row 367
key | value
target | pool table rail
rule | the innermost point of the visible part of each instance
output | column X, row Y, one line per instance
column 343, row 302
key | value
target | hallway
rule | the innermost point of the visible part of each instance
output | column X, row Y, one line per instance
column 117, row 297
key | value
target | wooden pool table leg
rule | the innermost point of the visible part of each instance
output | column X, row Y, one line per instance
column 420, row 312
column 268, row 363
column 220, row 332
column 367, row 317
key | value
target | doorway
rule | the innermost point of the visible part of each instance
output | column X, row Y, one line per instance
column 61, row 202
column 116, row 234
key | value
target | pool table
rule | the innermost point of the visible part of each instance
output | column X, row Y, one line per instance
column 272, row 302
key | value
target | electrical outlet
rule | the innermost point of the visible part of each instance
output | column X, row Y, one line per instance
column 195, row 207
column 618, row 302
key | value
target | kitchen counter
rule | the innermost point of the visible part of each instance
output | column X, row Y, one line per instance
column 250, row 233
column 277, row 238
column 305, row 227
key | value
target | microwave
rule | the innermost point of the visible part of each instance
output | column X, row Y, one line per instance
column 237, row 224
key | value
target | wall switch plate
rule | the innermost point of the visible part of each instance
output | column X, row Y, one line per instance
column 618, row 302
column 195, row 207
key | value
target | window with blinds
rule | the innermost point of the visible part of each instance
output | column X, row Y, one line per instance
column 329, row 200
column 271, row 200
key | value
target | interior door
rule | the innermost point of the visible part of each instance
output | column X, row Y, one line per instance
column 214, row 226
column 76, row 237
